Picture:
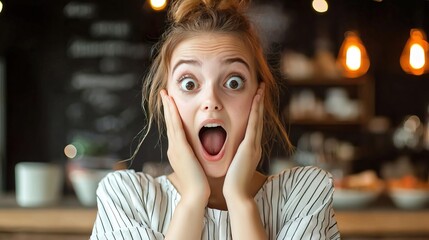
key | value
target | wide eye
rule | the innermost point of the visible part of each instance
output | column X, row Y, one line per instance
column 188, row 84
column 234, row 83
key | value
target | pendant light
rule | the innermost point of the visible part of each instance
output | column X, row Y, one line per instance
column 414, row 57
column 158, row 5
column 352, row 57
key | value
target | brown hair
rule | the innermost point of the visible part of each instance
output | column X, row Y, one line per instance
column 190, row 17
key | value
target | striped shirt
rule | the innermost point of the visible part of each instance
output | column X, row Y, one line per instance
column 294, row 204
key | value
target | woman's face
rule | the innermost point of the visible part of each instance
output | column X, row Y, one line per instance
column 213, row 82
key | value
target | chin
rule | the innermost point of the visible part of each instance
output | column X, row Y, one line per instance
column 217, row 169
column 215, row 173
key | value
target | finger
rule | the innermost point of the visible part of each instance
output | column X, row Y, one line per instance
column 175, row 126
column 176, row 119
column 254, row 125
column 166, row 108
column 260, row 123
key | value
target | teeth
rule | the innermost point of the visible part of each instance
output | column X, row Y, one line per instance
column 212, row 125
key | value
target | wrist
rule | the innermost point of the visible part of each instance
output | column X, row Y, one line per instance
column 235, row 193
column 193, row 202
column 239, row 200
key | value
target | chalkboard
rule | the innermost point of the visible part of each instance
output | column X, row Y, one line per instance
column 74, row 75
column 106, row 54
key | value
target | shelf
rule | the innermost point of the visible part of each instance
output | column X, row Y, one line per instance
column 325, row 122
column 358, row 89
column 328, row 81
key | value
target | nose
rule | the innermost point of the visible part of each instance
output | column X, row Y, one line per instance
column 211, row 101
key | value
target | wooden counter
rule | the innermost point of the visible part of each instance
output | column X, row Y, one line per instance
column 75, row 222
column 49, row 220
column 384, row 223
column 67, row 221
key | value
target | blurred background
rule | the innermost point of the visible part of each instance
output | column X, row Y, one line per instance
column 71, row 75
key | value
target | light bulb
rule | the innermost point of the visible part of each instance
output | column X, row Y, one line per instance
column 320, row 6
column 414, row 56
column 158, row 5
column 417, row 56
column 352, row 57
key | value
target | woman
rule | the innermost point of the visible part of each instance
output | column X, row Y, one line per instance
column 212, row 88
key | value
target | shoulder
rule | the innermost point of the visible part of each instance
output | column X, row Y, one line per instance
column 305, row 203
column 132, row 182
column 304, row 176
column 127, row 199
column 126, row 177
column 298, row 181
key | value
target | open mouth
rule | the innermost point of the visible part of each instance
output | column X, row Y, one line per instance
column 212, row 137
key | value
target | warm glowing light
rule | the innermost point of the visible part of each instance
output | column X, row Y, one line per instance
column 320, row 6
column 352, row 58
column 415, row 54
column 1, row 6
column 158, row 5
column 70, row 151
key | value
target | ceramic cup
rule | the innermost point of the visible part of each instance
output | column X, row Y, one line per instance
column 38, row 184
column 85, row 183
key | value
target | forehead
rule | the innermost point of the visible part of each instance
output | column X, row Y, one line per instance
column 206, row 45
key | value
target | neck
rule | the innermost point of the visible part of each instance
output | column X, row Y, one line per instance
column 216, row 199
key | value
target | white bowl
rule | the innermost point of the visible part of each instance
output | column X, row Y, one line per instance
column 409, row 198
column 354, row 199
column 85, row 183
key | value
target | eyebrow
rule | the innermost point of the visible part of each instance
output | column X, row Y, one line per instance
column 227, row 61
column 183, row 61
column 238, row 59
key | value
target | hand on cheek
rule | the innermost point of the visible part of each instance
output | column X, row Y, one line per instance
column 192, row 181
column 243, row 166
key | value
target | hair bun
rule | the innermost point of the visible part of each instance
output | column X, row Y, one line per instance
column 182, row 10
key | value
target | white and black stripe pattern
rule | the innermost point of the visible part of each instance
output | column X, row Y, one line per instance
column 295, row 204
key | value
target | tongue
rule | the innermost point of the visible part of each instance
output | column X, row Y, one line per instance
column 213, row 140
